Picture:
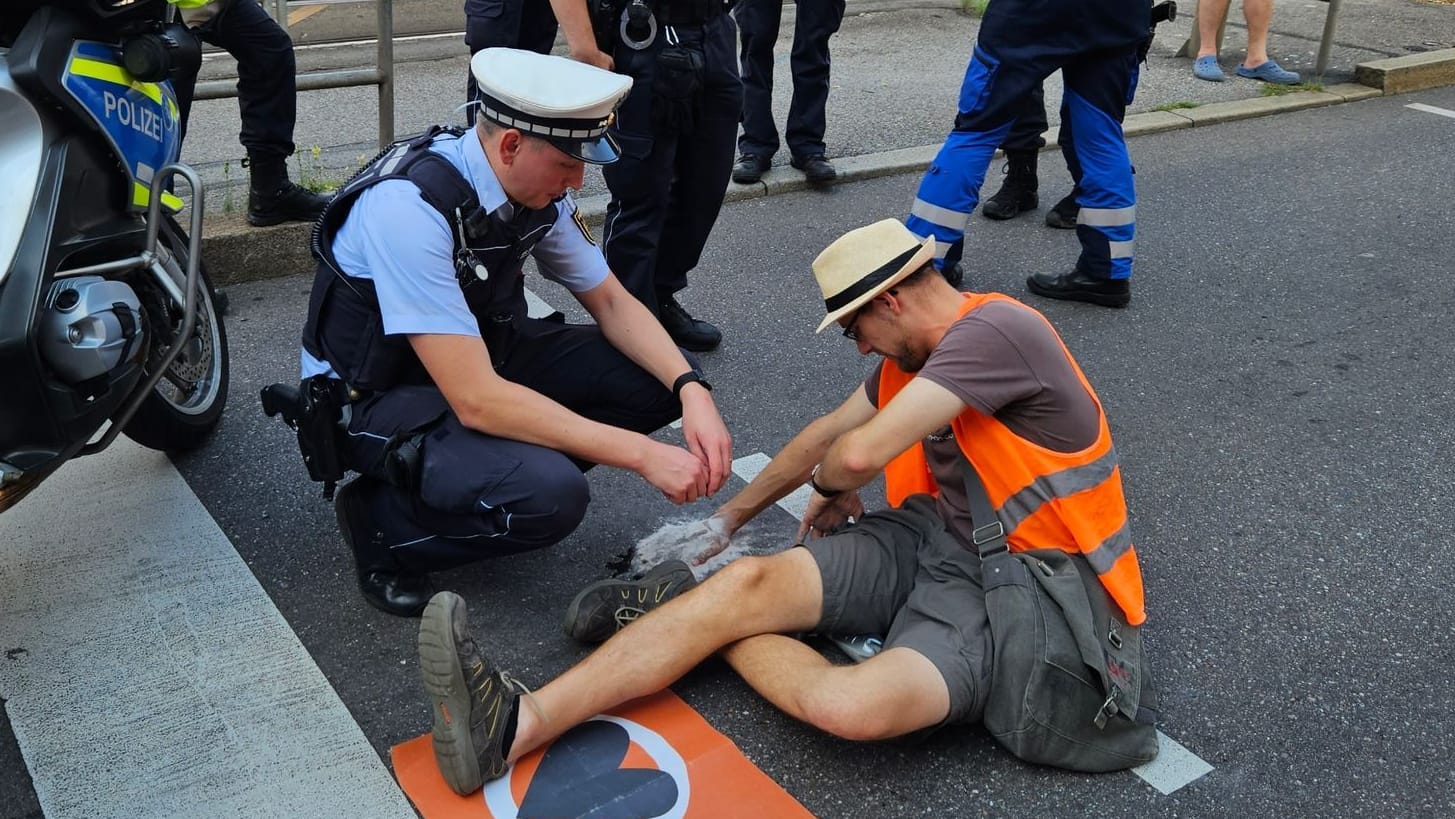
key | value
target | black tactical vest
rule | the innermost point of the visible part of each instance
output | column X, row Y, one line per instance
column 345, row 327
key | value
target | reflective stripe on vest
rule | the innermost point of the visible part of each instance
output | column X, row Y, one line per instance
column 1044, row 499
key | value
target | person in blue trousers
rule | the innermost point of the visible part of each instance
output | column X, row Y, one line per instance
column 1095, row 45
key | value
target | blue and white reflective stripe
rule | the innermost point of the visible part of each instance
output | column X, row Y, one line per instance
column 934, row 214
column 1122, row 250
column 1107, row 217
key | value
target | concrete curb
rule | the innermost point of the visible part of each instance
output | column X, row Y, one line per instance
column 236, row 252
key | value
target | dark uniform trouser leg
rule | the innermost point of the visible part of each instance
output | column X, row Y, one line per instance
column 758, row 20
column 527, row 24
column 479, row 496
column 1098, row 90
column 267, row 94
column 817, row 21
column 667, row 188
column 1025, row 134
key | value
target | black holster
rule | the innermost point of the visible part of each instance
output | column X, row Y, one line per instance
column 314, row 409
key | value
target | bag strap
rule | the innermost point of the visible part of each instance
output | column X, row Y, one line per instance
column 1111, row 648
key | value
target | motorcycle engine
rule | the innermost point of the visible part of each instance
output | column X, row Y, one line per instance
column 89, row 327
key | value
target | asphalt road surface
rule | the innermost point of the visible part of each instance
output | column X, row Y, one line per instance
column 1280, row 391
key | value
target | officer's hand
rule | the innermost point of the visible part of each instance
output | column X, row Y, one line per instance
column 680, row 475
column 824, row 515
column 706, row 435
column 591, row 55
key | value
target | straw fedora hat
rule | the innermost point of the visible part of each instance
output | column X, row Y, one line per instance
column 865, row 262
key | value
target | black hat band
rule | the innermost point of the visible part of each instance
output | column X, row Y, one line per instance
column 869, row 281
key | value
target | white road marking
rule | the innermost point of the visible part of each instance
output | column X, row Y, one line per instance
column 1430, row 109
column 148, row 673
column 748, row 467
column 536, row 307
column 1174, row 767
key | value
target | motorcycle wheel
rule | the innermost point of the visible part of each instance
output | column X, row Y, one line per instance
column 186, row 405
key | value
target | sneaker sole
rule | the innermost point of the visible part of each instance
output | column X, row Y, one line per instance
column 444, row 681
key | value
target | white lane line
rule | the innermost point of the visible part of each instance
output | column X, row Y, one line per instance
column 748, row 467
column 148, row 673
column 1174, row 767
column 1430, row 109
column 537, row 307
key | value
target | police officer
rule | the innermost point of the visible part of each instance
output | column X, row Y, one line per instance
column 267, row 99
column 1095, row 44
column 470, row 423
column 676, row 130
column 1022, row 147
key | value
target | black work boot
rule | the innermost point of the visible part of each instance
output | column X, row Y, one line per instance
column 1063, row 215
column 1018, row 194
column 816, row 169
column 750, row 168
column 689, row 333
column 385, row 584
column 1078, row 286
column 273, row 199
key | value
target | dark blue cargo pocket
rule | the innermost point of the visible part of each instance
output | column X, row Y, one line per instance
column 979, row 79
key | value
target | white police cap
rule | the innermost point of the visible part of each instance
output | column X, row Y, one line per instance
column 565, row 102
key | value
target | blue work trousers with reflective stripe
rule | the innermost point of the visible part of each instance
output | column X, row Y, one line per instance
column 997, row 86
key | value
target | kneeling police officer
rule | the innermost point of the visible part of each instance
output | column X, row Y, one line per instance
column 470, row 423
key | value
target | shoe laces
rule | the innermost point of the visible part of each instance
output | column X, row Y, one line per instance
column 626, row 615
column 525, row 693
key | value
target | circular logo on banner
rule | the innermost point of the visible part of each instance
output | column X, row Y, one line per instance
column 598, row 764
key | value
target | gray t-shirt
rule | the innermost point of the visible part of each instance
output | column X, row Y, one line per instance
column 1005, row 361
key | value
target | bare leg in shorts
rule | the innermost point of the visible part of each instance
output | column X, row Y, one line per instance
column 745, row 607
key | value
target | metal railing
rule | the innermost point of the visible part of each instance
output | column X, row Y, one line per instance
column 381, row 75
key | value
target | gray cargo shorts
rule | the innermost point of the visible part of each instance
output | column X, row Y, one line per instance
column 899, row 573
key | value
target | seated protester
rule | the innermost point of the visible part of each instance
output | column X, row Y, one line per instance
column 977, row 380
column 470, row 422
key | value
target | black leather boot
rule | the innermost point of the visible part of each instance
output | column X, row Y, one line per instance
column 1018, row 194
column 1077, row 286
column 1063, row 215
column 689, row 333
column 273, row 199
column 385, row 584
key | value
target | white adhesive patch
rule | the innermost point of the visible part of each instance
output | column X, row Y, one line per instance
column 148, row 674
column 1174, row 767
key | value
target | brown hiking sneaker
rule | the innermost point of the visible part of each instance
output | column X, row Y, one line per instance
column 472, row 702
column 608, row 606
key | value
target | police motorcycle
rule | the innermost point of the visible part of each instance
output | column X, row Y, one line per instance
column 108, row 322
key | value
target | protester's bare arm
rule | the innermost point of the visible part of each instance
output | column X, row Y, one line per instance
column 485, row 402
column 575, row 23
column 791, row 466
column 632, row 329
column 919, row 409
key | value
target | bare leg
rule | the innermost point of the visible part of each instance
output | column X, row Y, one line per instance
column 891, row 694
column 1210, row 16
column 1259, row 14
column 752, row 596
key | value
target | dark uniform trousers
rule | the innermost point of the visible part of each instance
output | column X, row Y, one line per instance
column 480, row 496
column 267, row 93
column 815, row 22
column 667, row 188
column 526, row 24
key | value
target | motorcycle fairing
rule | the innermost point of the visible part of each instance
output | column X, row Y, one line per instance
column 140, row 119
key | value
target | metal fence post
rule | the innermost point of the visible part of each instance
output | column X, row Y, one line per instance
column 1331, row 19
column 385, row 64
column 280, row 14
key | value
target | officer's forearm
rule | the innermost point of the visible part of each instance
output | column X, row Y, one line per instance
column 575, row 23
column 632, row 329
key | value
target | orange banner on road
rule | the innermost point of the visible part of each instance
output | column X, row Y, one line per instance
column 654, row 757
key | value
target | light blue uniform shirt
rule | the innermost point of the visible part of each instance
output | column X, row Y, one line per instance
column 397, row 240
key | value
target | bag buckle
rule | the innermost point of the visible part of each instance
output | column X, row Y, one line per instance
column 987, row 533
column 1114, row 637
column 1108, row 709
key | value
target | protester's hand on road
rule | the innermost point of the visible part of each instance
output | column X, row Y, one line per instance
column 591, row 55
column 680, row 475
column 706, row 435
column 824, row 515
column 718, row 535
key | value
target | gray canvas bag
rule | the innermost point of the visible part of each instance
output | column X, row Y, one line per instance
column 1069, row 684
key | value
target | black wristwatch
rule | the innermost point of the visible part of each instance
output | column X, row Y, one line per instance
column 687, row 378
column 819, row 488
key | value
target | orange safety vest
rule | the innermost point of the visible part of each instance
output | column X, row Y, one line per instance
column 1044, row 499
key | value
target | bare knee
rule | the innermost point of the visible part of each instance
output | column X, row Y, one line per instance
column 776, row 594
column 833, row 710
